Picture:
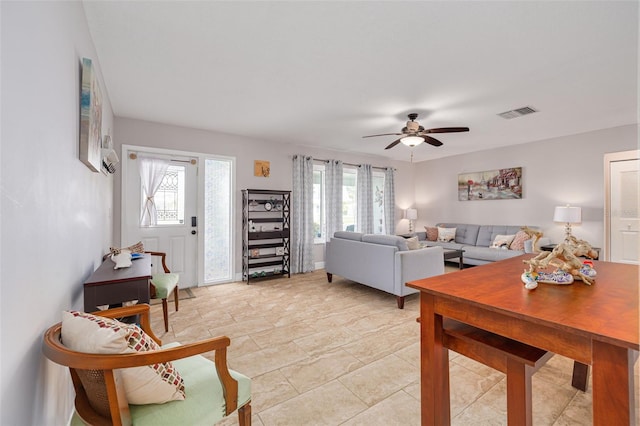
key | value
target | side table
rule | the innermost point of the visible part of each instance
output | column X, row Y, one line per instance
column 108, row 286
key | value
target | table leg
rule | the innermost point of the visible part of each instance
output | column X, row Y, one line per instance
column 613, row 390
column 461, row 260
column 434, row 366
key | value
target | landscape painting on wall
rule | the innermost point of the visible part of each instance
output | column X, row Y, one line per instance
column 502, row 184
column 90, row 118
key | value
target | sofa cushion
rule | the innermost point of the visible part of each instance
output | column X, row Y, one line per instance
column 387, row 240
column 446, row 234
column 502, row 241
column 487, row 233
column 413, row 243
column 348, row 235
column 465, row 233
column 518, row 241
column 432, row 233
column 488, row 254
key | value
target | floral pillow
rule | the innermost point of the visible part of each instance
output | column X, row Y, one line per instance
column 501, row 241
column 432, row 233
column 446, row 234
column 518, row 241
column 151, row 384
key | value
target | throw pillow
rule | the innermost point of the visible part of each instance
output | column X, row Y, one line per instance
column 432, row 233
column 446, row 234
column 151, row 384
column 502, row 241
column 413, row 243
column 518, row 241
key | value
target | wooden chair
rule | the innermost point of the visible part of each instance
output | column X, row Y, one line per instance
column 162, row 284
column 100, row 399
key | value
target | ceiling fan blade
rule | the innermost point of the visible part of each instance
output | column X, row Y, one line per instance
column 432, row 141
column 392, row 144
column 447, row 130
column 383, row 134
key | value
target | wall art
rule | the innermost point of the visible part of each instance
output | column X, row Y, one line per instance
column 90, row 118
column 502, row 184
column 261, row 168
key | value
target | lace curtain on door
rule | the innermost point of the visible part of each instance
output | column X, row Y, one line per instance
column 152, row 171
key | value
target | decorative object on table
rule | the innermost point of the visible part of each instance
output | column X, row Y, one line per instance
column 134, row 248
column 90, row 118
column 411, row 214
column 567, row 215
column 490, row 185
column 565, row 258
column 254, row 253
column 122, row 259
column 261, row 168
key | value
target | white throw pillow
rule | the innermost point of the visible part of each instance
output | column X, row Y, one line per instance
column 151, row 384
column 413, row 243
column 446, row 234
column 502, row 240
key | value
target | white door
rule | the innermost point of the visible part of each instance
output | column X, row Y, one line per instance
column 623, row 239
column 176, row 203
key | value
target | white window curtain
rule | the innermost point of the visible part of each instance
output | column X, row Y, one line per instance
column 333, row 196
column 365, row 199
column 152, row 171
column 389, row 201
column 302, row 215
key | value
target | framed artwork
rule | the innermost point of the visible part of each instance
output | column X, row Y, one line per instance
column 261, row 168
column 502, row 184
column 90, row 118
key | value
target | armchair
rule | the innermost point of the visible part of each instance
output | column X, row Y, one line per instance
column 212, row 390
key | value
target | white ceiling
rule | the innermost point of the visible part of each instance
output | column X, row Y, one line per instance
column 327, row 73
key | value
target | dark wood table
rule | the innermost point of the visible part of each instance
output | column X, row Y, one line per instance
column 108, row 286
column 595, row 325
column 454, row 253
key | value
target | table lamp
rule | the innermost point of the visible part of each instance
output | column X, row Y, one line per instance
column 567, row 215
column 411, row 214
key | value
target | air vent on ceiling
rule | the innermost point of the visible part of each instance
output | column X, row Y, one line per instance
column 518, row 112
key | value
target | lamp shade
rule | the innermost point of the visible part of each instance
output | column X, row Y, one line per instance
column 567, row 214
column 411, row 214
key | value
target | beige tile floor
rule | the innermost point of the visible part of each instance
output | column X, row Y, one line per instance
column 343, row 354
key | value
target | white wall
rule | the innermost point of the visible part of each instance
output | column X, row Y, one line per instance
column 55, row 212
column 555, row 172
column 245, row 150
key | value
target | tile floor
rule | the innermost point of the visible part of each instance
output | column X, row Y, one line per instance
column 343, row 354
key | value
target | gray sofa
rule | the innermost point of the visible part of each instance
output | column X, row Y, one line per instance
column 383, row 262
column 476, row 240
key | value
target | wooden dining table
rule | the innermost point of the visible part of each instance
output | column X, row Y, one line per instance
column 596, row 325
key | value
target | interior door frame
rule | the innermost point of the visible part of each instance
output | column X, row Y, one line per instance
column 609, row 158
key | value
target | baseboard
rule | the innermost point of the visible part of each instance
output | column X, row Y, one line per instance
column 319, row 265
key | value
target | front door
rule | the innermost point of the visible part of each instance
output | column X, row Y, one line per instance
column 622, row 241
column 175, row 232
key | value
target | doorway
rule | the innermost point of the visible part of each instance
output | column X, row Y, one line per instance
column 622, row 218
column 193, row 187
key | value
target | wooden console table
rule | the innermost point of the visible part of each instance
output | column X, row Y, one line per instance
column 108, row 286
column 595, row 325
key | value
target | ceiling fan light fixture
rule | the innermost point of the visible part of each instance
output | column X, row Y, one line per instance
column 412, row 140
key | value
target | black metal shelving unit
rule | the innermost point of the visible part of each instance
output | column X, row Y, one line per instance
column 266, row 221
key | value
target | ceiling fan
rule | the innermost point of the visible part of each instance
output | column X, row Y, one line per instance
column 414, row 134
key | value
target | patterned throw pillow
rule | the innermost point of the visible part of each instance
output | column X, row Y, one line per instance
column 151, row 384
column 446, row 234
column 518, row 241
column 432, row 233
column 502, row 241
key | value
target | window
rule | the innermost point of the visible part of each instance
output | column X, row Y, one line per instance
column 169, row 199
column 349, row 202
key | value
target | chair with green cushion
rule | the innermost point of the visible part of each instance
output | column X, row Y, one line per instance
column 162, row 284
column 212, row 391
